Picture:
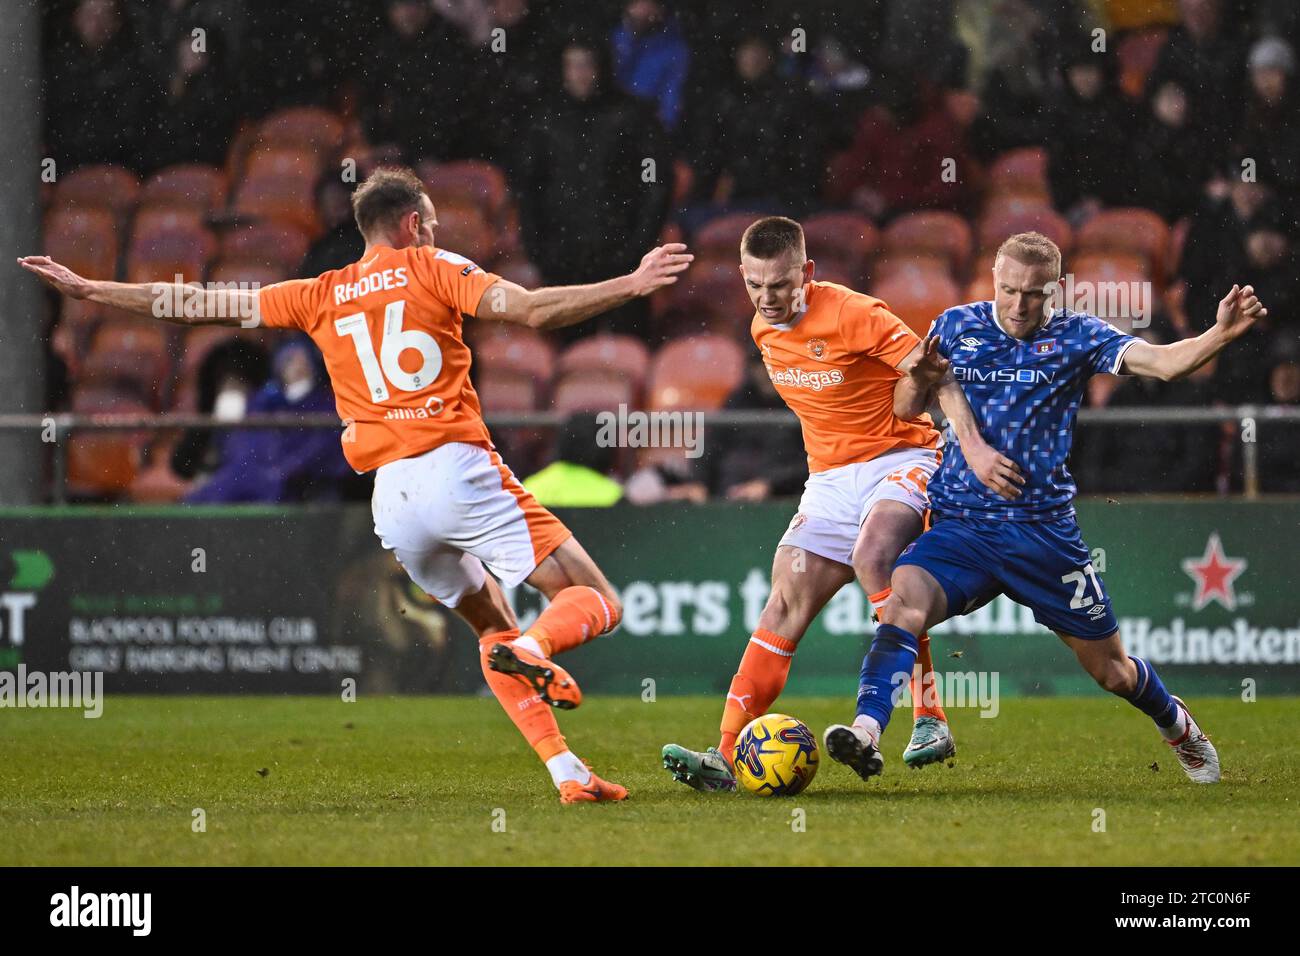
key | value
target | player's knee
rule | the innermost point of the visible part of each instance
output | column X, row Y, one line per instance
column 614, row 605
column 873, row 565
column 1112, row 676
column 899, row 613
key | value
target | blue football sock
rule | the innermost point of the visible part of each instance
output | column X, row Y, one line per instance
column 1150, row 696
column 885, row 672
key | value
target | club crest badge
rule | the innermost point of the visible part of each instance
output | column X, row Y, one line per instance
column 817, row 348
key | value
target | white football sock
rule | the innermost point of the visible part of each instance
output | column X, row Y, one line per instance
column 1177, row 729
column 567, row 766
column 869, row 725
column 528, row 643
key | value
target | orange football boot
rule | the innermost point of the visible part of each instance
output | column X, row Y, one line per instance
column 552, row 682
column 594, row 790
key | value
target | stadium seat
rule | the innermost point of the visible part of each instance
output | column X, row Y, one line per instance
column 997, row 225
column 917, row 301
column 305, row 127
column 289, row 201
column 1019, row 171
column 593, row 392
column 1137, row 53
column 84, row 239
column 162, row 255
column 720, row 237
column 282, row 163
column 103, row 464
column 929, row 233
column 518, row 270
column 505, row 391
column 469, row 181
column 980, row 288
column 464, row 229
column 619, row 355
column 517, row 350
column 916, row 266
column 99, row 187
column 713, row 287
column 276, row 244
column 1114, row 286
column 849, row 237
column 131, row 354
column 186, row 184
column 251, row 274
column 696, row 372
column 1138, row 231
column 166, row 218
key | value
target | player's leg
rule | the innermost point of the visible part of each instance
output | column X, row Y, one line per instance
column 917, row 602
column 1136, row 681
column 802, row 583
column 890, row 526
column 583, row 604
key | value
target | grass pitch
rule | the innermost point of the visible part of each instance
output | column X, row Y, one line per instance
column 424, row 780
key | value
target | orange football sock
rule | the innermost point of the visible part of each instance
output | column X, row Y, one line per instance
column 575, row 616
column 764, row 668
column 521, row 703
column 923, row 688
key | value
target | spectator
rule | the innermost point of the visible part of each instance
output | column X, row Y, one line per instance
column 585, row 210
column 1091, row 140
column 579, row 477
column 228, row 377
column 1017, row 78
column 418, row 82
column 1278, row 443
column 197, row 113
column 755, row 464
column 1203, row 57
column 281, row 465
column 650, row 57
column 1270, row 130
column 341, row 244
column 100, row 101
column 1170, row 167
column 754, row 145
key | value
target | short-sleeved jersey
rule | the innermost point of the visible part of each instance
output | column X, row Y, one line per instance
column 389, row 328
column 1025, row 396
column 835, row 365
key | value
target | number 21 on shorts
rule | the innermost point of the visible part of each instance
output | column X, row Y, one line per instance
column 396, row 340
column 1080, row 582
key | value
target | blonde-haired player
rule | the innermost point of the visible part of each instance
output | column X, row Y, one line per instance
column 389, row 328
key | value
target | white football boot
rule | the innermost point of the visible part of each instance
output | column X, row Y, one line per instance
column 1195, row 753
column 855, row 748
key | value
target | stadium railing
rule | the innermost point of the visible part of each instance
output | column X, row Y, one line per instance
column 64, row 424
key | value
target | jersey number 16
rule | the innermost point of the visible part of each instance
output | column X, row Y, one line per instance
column 396, row 340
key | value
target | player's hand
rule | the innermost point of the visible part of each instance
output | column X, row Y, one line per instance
column 57, row 277
column 930, row 367
column 659, row 267
column 998, row 472
column 1238, row 311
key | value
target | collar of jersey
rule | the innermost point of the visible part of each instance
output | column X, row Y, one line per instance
column 787, row 326
column 993, row 309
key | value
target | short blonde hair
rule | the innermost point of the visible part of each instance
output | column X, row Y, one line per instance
column 1031, row 248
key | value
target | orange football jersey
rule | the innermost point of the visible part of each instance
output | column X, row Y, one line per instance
column 835, row 365
column 389, row 328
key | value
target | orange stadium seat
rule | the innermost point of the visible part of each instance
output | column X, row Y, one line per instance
column 917, row 301
column 520, row 351
column 250, row 273
column 712, row 287
column 84, row 239
column 620, row 356
column 582, row 392
column 165, row 218
column 128, row 353
column 305, row 127
column 468, row 181
column 1022, row 170
column 914, row 265
column 696, row 372
column 981, row 286
column 99, row 187
column 720, row 237
column 506, row 391
column 518, row 270
column 1139, row 231
column 279, row 244
column 186, row 184
column 161, row 256
column 282, row 163
column 996, row 226
column 930, row 233
column 290, row 201
column 103, row 463
column 848, row 237
column 462, row 228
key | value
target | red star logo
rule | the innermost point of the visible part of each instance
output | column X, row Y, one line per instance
column 1214, row 573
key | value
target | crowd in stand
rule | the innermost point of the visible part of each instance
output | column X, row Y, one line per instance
column 613, row 124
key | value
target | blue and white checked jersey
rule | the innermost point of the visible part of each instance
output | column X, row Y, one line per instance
column 1025, row 395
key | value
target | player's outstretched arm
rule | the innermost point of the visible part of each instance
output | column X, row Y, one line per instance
column 554, row 307
column 167, row 301
column 1237, row 312
column 925, row 370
